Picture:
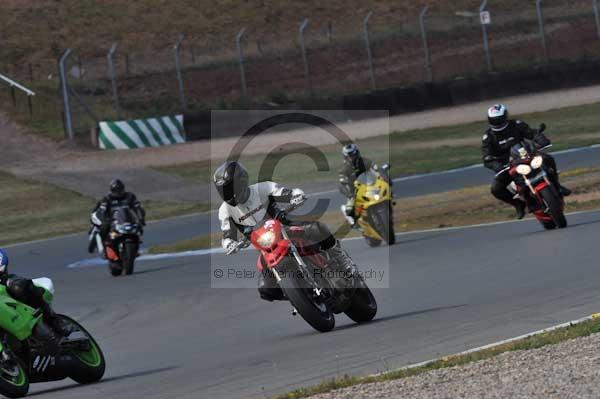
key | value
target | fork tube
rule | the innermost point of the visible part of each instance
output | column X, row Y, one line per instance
column 276, row 274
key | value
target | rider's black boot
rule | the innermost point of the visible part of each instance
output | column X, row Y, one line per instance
column 268, row 288
column 520, row 208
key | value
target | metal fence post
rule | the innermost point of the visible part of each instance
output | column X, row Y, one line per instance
column 65, row 94
column 597, row 16
column 240, row 51
column 113, row 77
column 368, row 46
column 538, row 6
column 176, row 48
column 307, row 80
column 486, row 44
column 428, row 71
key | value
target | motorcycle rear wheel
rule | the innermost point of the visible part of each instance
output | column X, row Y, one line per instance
column 372, row 242
column 115, row 269
column 363, row 306
column 318, row 315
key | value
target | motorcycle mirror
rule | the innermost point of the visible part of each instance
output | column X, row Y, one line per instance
column 385, row 166
column 542, row 127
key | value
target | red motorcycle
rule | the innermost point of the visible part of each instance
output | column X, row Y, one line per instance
column 315, row 287
column 532, row 184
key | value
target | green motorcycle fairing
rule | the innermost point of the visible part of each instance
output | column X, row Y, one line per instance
column 16, row 317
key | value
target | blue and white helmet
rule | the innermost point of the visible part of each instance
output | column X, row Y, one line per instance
column 3, row 263
column 498, row 117
column 350, row 151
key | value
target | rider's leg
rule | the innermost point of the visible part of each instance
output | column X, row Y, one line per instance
column 268, row 288
column 500, row 191
column 318, row 233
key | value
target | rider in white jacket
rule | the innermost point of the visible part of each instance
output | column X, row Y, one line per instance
column 247, row 205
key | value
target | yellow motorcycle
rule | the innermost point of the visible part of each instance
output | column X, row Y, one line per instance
column 373, row 206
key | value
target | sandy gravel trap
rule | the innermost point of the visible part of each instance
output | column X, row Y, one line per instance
column 570, row 369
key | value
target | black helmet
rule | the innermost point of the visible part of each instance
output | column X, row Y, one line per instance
column 498, row 117
column 117, row 188
column 351, row 151
column 231, row 180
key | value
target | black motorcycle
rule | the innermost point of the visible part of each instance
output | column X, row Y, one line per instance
column 123, row 241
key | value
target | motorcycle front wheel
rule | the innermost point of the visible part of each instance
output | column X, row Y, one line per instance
column 297, row 290
column 128, row 255
column 14, row 381
column 554, row 204
column 88, row 366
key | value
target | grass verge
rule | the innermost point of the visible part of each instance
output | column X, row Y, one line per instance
column 33, row 210
column 572, row 331
column 417, row 151
column 449, row 209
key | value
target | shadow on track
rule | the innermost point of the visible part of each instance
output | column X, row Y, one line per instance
column 380, row 320
column 156, row 269
column 105, row 380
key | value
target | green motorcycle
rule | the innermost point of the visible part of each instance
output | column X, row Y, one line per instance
column 25, row 358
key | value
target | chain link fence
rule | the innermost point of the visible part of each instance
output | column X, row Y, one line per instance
column 313, row 62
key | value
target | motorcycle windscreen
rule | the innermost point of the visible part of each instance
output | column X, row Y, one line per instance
column 123, row 216
column 368, row 178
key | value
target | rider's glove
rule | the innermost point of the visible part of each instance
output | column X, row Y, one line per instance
column 229, row 245
column 298, row 197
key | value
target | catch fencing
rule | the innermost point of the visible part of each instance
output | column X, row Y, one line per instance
column 312, row 61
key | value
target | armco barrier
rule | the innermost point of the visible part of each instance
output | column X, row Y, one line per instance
column 440, row 94
column 140, row 133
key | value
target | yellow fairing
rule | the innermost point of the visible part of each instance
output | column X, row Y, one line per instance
column 371, row 189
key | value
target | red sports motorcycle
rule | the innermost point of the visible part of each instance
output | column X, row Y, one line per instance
column 532, row 183
column 316, row 289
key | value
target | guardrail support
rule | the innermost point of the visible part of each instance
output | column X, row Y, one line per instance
column 486, row 44
column 113, row 77
column 426, row 53
column 596, row 16
column 240, row 51
column 307, row 80
column 65, row 94
column 538, row 7
column 176, row 48
column 369, row 53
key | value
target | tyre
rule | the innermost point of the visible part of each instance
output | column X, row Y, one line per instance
column 128, row 256
column 372, row 242
column 317, row 314
column 383, row 223
column 363, row 306
column 115, row 269
column 89, row 366
column 14, row 381
column 555, row 208
column 548, row 225
column 391, row 232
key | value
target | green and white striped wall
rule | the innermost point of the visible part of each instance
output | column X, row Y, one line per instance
column 140, row 133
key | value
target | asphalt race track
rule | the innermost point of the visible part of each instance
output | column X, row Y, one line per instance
column 167, row 334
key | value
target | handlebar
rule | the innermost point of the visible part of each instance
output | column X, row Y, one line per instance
column 245, row 242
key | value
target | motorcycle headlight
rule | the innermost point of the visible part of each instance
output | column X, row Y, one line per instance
column 266, row 239
column 523, row 169
column 537, row 161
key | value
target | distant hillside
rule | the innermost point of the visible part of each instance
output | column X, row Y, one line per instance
column 33, row 30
